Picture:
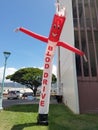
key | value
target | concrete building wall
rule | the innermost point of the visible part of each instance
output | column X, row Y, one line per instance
column 67, row 62
column 85, row 17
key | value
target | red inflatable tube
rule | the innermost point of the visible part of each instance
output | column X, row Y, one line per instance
column 34, row 35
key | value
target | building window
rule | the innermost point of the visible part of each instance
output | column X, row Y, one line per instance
column 96, row 40
column 85, row 18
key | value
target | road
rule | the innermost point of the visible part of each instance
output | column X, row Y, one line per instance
column 7, row 102
column 10, row 102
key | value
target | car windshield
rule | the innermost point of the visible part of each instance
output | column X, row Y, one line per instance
column 13, row 92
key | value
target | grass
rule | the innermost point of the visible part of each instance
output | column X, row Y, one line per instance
column 24, row 117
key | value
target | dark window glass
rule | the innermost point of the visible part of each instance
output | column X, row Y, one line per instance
column 74, row 13
column 78, row 60
column 96, row 40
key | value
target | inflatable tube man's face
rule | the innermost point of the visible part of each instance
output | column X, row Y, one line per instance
column 56, row 28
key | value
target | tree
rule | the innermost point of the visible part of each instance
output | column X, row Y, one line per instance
column 30, row 77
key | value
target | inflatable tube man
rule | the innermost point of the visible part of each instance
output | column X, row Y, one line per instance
column 52, row 41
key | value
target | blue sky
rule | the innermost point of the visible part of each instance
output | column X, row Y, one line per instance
column 35, row 15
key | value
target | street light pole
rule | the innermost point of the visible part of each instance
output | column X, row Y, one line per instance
column 6, row 55
column 59, row 66
column 59, row 74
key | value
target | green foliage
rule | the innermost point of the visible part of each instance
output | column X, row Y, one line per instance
column 30, row 77
column 27, row 76
column 54, row 79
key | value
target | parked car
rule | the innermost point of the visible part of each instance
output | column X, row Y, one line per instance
column 14, row 95
column 27, row 95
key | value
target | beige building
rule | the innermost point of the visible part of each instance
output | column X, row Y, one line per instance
column 79, row 79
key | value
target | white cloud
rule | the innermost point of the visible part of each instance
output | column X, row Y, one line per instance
column 8, row 71
column 54, row 69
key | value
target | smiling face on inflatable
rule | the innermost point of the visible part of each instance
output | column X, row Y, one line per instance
column 56, row 28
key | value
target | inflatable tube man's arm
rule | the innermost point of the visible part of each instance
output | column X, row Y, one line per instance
column 32, row 34
column 71, row 48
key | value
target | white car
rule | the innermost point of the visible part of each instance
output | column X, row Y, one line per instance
column 14, row 95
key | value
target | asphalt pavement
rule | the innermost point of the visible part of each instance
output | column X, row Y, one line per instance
column 10, row 102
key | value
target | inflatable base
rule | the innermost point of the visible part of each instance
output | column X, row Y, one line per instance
column 42, row 119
